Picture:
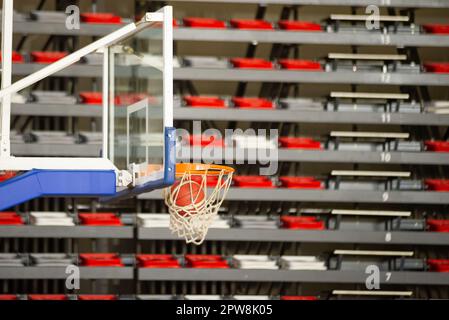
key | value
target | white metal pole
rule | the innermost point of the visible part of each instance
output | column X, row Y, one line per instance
column 168, row 65
column 111, row 105
column 5, row 114
column 105, row 102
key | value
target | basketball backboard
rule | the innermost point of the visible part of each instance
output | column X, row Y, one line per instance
column 141, row 138
column 137, row 117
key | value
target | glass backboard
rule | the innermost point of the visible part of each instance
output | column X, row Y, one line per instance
column 137, row 122
column 141, row 106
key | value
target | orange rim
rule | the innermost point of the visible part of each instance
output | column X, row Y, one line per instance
column 201, row 168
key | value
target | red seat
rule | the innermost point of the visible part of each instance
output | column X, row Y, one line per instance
column 126, row 99
column 292, row 64
column 251, row 63
column 94, row 17
column 438, row 265
column 206, row 261
column 299, row 25
column 10, row 218
column 253, row 182
column 252, row 103
column 194, row 22
column 300, row 183
column 209, row 265
column 203, row 257
column 16, row 57
column 437, row 28
column 6, row 175
column 47, row 297
column 89, row 297
column 91, row 97
column 205, row 141
column 251, row 24
column 47, row 57
column 299, row 143
column 438, row 225
column 305, row 223
column 437, row 184
column 4, row 297
column 205, row 101
column 437, row 67
column 101, row 260
column 100, row 219
column 437, row 146
column 157, row 261
column 305, row 298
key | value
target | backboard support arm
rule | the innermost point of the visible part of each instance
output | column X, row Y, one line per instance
column 5, row 114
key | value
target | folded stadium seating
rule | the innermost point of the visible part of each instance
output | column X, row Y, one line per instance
column 48, row 16
column 157, row 261
column 100, row 219
column 255, row 222
column 97, row 17
column 436, row 28
column 204, row 101
column 51, row 219
column 101, row 260
column 292, row 25
column 5, row 297
column 253, row 182
column 296, row 64
column 11, row 260
column 251, row 63
column 51, row 259
column 47, row 57
column 242, row 261
column 206, row 261
column 204, row 141
column 437, row 184
column 438, row 265
column 194, row 22
column 437, row 146
column 300, row 183
column 302, row 263
column 252, row 103
column 10, row 218
column 53, row 97
column 91, row 97
column 203, row 297
column 16, row 57
column 251, row 24
column 93, row 297
column 436, row 67
column 206, row 62
column 304, row 223
column 438, row 225
column 302, row 298
column 6, row 175
column 47, row 297
column 299, row 143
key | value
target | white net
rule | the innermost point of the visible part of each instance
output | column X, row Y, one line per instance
column 193, row 202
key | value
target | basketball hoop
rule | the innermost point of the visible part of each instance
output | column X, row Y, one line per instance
column 194, row 199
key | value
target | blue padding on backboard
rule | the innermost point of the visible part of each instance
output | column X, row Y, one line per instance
column 54, row 183
column 169, row 171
